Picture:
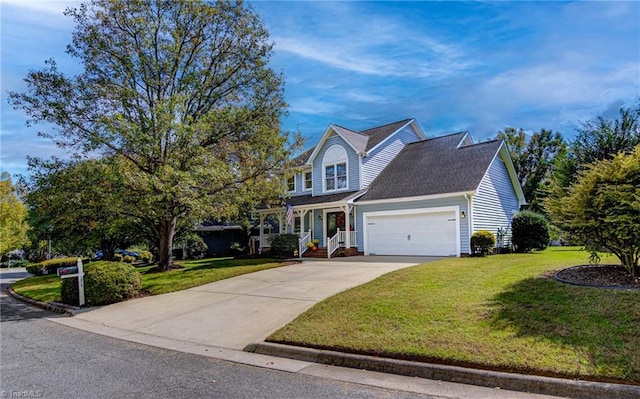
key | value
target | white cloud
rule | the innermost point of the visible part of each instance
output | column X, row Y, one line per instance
column 365, row 97
column 357, row 37
column 314, row 106
column 557, row 84
column 55, row 7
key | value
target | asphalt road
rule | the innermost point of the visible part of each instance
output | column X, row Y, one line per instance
column 39, row 358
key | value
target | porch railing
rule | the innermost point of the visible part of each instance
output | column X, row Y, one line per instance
column 333, row 244
column 340, row 240
column 305, row 238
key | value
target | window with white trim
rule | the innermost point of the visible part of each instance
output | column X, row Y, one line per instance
column 308, row 181
column 335, row 167
column 291, row 183
column 335, row 176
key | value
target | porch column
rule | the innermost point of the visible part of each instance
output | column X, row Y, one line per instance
column 347, row 227
column 261, row 232
column 280, row 224
column 301, row 215
column 347, row 240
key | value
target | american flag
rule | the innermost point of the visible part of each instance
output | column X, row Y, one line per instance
column 289, row 215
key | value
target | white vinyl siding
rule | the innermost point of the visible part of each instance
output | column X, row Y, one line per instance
column 380, row 157
column 495, row 200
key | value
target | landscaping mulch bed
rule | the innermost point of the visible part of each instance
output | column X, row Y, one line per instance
column 605, row 276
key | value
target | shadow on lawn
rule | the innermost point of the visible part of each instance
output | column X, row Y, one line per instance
column 601, row 323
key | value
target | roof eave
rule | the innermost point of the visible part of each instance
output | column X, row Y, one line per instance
column 503, row 152
column 412, row 121
column 415, row 198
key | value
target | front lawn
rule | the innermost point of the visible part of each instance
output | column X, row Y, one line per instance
column 194, row 273
column 501, row 312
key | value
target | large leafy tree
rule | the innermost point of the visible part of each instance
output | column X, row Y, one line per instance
column 13, row 213
column 602, row 207
column 599, row 139
column 182, row 92
column 533, row 158
column 81, row 204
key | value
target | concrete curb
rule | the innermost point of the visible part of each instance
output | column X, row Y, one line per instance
column 56, row 308
column 486, row 378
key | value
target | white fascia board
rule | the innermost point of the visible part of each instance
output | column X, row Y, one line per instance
column 466, row 134
column 412, row 121
column 416, row 198
column 504, row 152
column 418, row 128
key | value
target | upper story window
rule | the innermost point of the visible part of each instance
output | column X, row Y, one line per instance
column 336, row 176
column 291, row 183
column 334, row 165
column 308, row 181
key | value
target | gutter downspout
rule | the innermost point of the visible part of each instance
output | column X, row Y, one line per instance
column 469, row 198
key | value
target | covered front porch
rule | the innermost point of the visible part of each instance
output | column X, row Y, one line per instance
column 324, row 230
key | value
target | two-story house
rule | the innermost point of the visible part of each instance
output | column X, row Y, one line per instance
column 390, row 190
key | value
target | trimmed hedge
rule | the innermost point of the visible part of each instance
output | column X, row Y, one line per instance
column 104, row 283
column 146, row 256
column 284, row 245
column 51, row 266
column 530, row 231
column 482, row 243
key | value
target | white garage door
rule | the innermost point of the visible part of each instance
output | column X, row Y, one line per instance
column 417, row 234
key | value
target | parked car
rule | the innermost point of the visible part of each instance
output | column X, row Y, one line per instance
column 100, row 255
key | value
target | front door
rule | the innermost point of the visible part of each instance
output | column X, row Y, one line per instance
column 335, row 221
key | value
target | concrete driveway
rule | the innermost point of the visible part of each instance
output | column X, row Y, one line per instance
column 239, row 311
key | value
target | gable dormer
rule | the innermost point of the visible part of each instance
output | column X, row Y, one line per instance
column 466, row 140
column 346, row 160
column 335, row 165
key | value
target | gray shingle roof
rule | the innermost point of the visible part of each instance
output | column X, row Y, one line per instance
column 362, row 141
column 357, row 140
column 378, row 134
column 433, row 166
column 302, row 158
column 300, row 200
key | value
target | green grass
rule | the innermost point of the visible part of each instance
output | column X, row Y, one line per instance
column 42, row 288
column 198, row 272
column 193, row 273
column 500, row 312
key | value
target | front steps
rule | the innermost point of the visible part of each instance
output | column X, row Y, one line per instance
column 322, row 253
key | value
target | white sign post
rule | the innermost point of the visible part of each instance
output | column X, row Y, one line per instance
column 75, row 271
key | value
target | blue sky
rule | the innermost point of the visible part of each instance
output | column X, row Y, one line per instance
column 477, row 66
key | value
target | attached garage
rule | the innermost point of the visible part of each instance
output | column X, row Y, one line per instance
column 415, row 232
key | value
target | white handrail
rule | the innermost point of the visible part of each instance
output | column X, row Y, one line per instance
column 304, row 239
column 333, row 243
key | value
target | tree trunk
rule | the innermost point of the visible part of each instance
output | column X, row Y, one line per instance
column 108, row 247
column 165, row 243
column 628, row 261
